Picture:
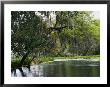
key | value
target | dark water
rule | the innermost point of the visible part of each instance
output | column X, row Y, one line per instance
column 73, row 68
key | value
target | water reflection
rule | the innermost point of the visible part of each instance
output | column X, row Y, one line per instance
column 60, row 69
column 32, row 71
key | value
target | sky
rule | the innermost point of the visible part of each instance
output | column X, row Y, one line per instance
column 96, row 14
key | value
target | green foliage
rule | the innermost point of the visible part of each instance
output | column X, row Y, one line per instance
column 27, row 34
column 83, row 38
column 15, row 63
column 53, row 33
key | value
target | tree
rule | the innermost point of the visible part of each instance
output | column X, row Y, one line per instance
column 81, row 39
column 27, row 34
column 72, row 31
column 54, row 33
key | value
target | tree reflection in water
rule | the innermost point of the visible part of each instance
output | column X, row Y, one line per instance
column 32, row 71
column 60, row 69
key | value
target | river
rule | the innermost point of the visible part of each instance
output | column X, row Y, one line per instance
column 61, row 68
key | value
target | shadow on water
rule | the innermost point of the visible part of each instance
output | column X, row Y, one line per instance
column 60, row 69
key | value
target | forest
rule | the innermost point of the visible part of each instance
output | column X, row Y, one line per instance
column 43, row 36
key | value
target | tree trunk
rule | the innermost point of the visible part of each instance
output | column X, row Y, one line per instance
column 22, row 73
column 23, row 59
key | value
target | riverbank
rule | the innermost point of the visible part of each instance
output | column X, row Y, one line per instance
column 40, row 60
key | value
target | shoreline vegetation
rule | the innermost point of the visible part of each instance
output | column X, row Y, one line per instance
column 46, row 60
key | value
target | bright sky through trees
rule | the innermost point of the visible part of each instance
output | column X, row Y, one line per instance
column 96, row 14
